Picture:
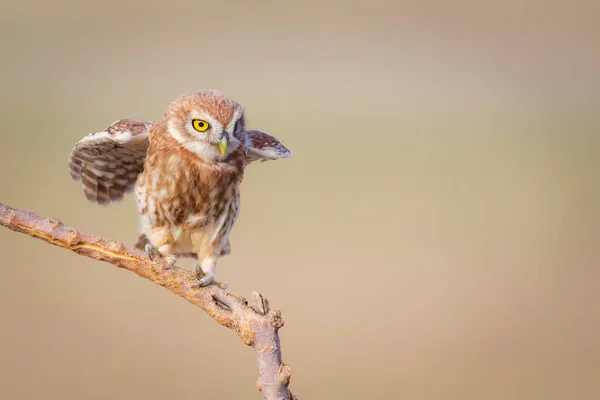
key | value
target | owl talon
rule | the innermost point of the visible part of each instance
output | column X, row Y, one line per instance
column 170, row 260
column 207, row 280
column 198, row 271
column 203, row 280
column 150, row 250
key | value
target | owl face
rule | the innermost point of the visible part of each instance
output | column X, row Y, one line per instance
column 207, row 123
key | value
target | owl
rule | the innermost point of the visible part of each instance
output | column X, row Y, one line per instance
column 185, row 171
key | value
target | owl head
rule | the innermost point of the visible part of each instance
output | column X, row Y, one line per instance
column 206, row 123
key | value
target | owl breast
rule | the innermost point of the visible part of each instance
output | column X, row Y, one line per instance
column 186, row 203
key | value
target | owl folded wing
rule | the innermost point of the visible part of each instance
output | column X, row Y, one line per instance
column 108, row 162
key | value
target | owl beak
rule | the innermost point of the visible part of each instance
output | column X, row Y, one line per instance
column 223, row 144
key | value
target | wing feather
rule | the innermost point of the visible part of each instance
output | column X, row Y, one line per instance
column 108, row 162
column 264, row 147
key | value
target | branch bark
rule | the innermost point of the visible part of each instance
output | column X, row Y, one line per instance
column 257, row 325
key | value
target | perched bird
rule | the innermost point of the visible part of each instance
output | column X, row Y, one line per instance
column 185, row 170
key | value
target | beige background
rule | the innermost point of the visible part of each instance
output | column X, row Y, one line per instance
column 434, row 237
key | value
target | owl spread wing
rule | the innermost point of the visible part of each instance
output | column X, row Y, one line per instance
column 264, row 147
column 108, row 162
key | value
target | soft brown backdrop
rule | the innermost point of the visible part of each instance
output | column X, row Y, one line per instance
column 434, row 237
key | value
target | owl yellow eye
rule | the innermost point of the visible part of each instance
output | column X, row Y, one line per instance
column 200, row 125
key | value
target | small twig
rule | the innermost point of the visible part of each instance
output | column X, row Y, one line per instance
column 256, row 325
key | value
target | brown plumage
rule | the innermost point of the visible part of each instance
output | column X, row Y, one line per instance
column 186, row 170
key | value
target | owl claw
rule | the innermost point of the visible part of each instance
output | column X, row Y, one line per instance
column 154, row 254
column 203, row 279
column 207, row 280
column 198, row 271
column 210, row 281
column 171, row 260
column 150, row 250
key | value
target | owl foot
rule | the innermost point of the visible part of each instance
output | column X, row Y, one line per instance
column 205, row 280
column 153, row 254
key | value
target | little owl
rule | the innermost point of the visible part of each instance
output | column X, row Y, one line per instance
column 186, row 171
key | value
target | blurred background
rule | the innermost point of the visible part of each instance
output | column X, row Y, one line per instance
column 435, row 236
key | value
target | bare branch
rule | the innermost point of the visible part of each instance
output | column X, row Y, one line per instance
column 256, row 325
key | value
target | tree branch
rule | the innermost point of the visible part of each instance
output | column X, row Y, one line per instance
column 257, row 325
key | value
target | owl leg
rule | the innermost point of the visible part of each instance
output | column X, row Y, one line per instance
column 208, row 254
